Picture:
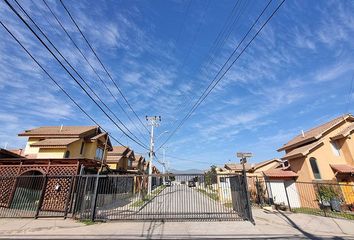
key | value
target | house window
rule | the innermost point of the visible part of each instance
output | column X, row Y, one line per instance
column 335, row 149
column 315, row 170
column 67, row 154
column 99, row 154
column 82, row 147
column 130, row 163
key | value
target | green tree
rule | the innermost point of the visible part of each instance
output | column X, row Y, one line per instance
column 210, row 176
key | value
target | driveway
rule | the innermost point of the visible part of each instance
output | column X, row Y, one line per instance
column 183, row 202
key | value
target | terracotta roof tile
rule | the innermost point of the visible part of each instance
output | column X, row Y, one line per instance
column 261, row 164
column 345, row 132
column 315, row 133
column 301, row 151
column 58, row 131
column 279, row 173
column 342, row 168
column 118, row 150
column 237, row 166
column 55, row 142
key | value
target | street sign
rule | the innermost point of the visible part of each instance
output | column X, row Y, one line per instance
column 243, row 155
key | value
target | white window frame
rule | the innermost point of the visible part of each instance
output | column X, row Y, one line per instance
column 335, row 148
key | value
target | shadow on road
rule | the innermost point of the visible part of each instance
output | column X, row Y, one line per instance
column 306, row 234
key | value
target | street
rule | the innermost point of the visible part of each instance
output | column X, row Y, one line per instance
column 181, row 201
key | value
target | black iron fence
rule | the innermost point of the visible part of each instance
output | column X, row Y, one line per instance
column 319, row 198
column 127, row 197
column 173, row 197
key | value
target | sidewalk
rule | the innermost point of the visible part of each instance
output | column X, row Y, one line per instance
column 268, row 225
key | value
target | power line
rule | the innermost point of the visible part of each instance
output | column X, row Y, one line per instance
column 93, row 69
column 187, row 160
column 222, row 36
column 349, row 98
column 207, row 92
column 50, row 42
column 105, row 69
column 56, row 83
column 70, row 74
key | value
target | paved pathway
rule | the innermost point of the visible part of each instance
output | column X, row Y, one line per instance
column 268, row 226
column 181, row 201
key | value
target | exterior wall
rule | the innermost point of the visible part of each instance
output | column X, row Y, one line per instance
column 112, row 166
column 299, row 166
column 51, row 153
column 75, row 148
column 324, row 157
column 347, row 147
column 89, row 150
column 29, row 149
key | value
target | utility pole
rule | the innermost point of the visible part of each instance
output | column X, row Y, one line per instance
column 164, row 165
column 153, row 121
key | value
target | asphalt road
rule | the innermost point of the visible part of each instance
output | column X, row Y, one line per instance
column 183, row 202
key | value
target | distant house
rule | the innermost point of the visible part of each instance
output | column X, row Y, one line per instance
column 121, row 159
column 138, row 164
column 325, row 152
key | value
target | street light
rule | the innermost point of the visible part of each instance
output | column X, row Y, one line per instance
column 162, row 134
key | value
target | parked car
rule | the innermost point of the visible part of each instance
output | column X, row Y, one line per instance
column 168, row 183
column 183, row 182
column 191, row 184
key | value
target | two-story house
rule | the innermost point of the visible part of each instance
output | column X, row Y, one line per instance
column 54, row 151
column 68, row 142
column 325, row 152
column 120, row 158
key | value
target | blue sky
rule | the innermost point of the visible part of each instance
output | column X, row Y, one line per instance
column 295, row 75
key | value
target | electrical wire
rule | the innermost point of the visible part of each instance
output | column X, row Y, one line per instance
column 70, row 74
column 211, row 85
column 103, row 66
column 92, row 68
column 56, row 83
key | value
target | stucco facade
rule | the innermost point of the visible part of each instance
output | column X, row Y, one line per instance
column 326, row 148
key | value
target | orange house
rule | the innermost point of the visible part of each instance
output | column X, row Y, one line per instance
column 324, row 154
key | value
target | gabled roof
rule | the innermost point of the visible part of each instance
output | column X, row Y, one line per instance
column 8, row 154
column 279, row 173
column 344, row 133
column 264, row 163
column 138, row 157
column 119, row 150
column 301, row 151
column 315, row 133
column 54, row 142
column 237, row 166
column 60, row 131
column 342, row 168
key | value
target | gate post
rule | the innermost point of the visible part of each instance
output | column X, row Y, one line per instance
column 41, row 197
column 68, row 197
column 94, row 202
column 248, row 205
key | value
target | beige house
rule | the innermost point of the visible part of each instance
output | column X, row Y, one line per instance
column 121, row 158
column 57, row 142
column 325, row 152
column 252, row 170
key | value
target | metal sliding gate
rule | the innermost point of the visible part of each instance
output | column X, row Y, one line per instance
column 177, row 197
